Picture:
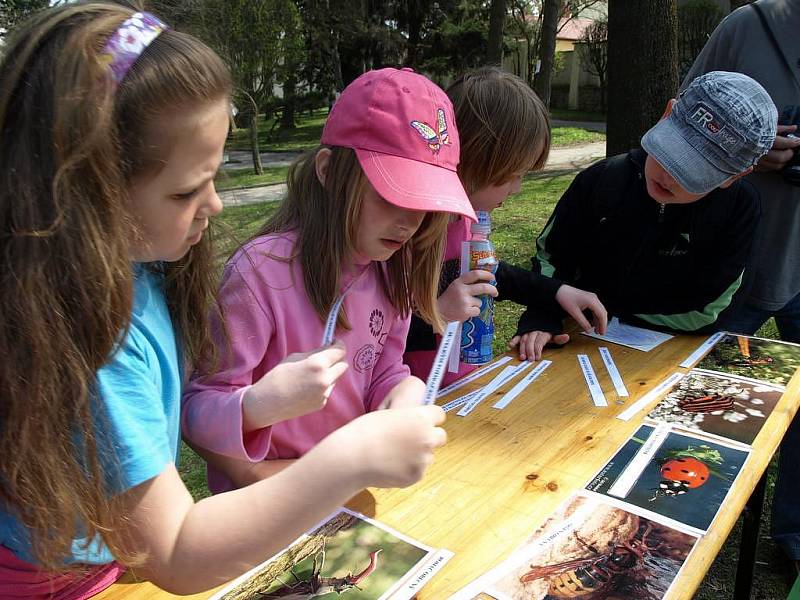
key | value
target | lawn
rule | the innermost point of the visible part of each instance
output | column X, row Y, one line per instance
column 307, row 134
column 515, row 227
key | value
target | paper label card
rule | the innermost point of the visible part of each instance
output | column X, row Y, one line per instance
column 631, row 336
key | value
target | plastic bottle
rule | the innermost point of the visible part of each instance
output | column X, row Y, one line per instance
column 477, row 333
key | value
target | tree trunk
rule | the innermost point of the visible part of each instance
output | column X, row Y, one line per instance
column 289, row 96
column 258, row 169
column 547, row 49
column 416, row 17
column 497, row 20
column 642, row 68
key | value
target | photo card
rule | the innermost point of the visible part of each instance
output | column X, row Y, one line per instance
column 722, row 406
column 589, row 548
column 673, row 476
column 757, row 359
column 347, row 552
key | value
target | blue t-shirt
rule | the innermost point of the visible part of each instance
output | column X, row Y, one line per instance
column 140, row 388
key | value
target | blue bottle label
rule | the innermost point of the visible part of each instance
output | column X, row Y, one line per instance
column 477, row 333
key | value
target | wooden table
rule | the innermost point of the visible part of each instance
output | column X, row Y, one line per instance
column 504, row 471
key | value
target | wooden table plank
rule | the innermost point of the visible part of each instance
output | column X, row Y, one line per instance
column 503, row 472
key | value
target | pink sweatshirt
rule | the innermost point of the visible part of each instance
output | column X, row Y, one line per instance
column 269, row 316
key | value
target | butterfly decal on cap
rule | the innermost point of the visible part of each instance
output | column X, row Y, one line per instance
column 435, row 138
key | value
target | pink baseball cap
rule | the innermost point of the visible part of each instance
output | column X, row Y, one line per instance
column 402, row 127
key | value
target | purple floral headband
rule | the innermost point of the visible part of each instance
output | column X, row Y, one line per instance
column 128, row 42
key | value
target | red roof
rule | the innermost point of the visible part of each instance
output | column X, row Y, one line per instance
column 573, row 29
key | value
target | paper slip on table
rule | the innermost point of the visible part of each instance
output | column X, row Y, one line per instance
column 503, row 472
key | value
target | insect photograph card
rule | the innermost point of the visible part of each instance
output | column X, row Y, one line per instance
column 589, row 548
column 682, row 478
column 759, row 359
column 346, row 553
column 719, row 405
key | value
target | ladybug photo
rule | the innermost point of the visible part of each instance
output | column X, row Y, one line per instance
column 685, row 480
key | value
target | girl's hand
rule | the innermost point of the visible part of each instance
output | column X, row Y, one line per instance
column 405, row 394
column 459, row 301
column 391, row 448
column 300, row 384
column 532, row 343
column 575, row 301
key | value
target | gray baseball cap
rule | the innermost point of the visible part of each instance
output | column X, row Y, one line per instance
column 720, row 126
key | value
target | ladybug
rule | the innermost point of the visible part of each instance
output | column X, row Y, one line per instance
column 680, row 475
column 687, row 470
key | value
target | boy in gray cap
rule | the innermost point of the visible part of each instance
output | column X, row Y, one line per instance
column 663, row 234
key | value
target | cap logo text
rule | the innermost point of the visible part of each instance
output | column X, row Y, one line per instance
column 435, row 138
column 721, row 134
column 705, row 118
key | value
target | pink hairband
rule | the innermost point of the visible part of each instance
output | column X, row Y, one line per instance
column 128, row 42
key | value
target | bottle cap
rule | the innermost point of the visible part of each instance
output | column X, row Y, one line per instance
column 484, row 223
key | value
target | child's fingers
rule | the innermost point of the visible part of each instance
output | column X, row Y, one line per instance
column 541, row 340
column 335, row 371
column 482, row 289
column 576, row 313
column 560, row 339
column 438, row 437
column 600, row 322
column 435, row 414
column 330, row 355
column 476, row 275
column 408, row 393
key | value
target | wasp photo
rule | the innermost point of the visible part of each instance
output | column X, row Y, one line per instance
column 610, row 553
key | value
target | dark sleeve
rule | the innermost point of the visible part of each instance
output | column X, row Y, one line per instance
column 557, row 251
column 522, row 286
column 714, row 278
column 420, row 335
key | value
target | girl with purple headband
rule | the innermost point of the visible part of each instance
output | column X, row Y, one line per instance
column 113, row 129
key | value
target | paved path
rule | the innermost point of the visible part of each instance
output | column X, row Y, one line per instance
column 561, row 160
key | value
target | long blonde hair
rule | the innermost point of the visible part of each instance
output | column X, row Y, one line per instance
column 71, row 143
column 327, row 216
column 503, row 127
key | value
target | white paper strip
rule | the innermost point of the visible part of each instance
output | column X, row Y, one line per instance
column 473, row 376
column 330, row 324
column 495, row 384
column 455, row 357
column 437, row 370
column 521, row 385
column 595, row 390
column 459, row 401
column 613, row 372
column 642, row 402
column 410, row 588
column 622, row 486
column 702, row 349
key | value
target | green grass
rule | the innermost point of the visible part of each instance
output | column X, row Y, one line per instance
column 515, row 227
column 231, row 179
column 309, row 130
column 304, row 137
column 574, row 136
